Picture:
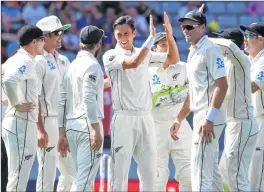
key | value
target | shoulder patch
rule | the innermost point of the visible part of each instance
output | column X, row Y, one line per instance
column 92, row 78
column 111, row 58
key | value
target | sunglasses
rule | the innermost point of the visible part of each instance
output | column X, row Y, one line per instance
column 250, row 35
column 188, row 27
column 40, row 39
column 58, row 33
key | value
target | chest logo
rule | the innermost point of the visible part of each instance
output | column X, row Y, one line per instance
column 175, row 76
column 22, row 69
column 155, row 80
column 51, row 65
column 260, row 76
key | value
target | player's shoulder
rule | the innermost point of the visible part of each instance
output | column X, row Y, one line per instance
column 110, row 52
column 40, row 59
column 63, row 59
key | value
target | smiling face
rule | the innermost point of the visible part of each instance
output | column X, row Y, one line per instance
column 162, row 46
column 253, row 43
column 192, row 31
column 124, row 36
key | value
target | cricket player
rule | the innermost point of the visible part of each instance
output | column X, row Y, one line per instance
column 132, row 126
column 207, row 88
column 50, row 68
column 242, row 128
column 19, row 125
column 254, row 46
column 81, row 102
column 169, row 90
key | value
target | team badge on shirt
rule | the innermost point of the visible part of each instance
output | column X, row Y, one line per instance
column 220, row 63
column 51, row 65
column 22, row 69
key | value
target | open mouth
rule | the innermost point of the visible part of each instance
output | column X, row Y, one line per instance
column 124, row 43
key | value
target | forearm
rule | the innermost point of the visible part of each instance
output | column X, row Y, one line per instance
column 218, row 96
column 40, row 125
column 173, row 52
column 185, row 111
column 62, row 132
column 254, row 87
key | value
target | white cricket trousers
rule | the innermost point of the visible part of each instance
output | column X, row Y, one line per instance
column 240, row 139
column 256, row 168
column 179, row 151
column 205, row 174
column 20, row 137
column 86, row 161
column 47, row 157
column 68, row 173
column 133, row 134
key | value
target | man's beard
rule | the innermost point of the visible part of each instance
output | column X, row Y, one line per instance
column 97, row 52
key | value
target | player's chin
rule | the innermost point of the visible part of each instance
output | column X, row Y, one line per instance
column 58, row 45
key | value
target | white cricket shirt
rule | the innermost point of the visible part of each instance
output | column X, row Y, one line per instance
column 82, row 91
column 20, row 84
column 130, row 87
column 204, row 65
column 237, row 103
column 257, row 75
column 50, row 71
column 174, row 75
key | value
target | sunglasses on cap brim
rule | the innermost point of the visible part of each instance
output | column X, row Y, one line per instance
column 189, row 27
column 249, row 35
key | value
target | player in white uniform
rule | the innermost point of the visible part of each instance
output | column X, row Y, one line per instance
column 19, row 125
column 207, row 89
column 242, row 128
column 81, row 103
column 254, row 46
column 169, row 89
column 132, row 126
column 50, row 68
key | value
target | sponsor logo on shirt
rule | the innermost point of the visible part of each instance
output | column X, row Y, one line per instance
column 220, row 63
column 51, row 65
column 22, row 69
column 49, row 149
column 98, row 155
column 92, row 78
column 260, row 76
column 155, row 80
column 117, row 149
column 27, row 157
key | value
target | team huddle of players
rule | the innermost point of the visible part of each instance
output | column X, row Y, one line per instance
column 55, row 108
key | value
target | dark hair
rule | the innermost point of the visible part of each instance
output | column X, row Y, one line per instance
column 125, row 20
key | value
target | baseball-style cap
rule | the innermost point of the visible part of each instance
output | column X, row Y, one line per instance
column 160, row 36
column 50, row 24
column 194, row 16
column 254, row 27
column 28, row 33
column 234, row 34
column 91, row 35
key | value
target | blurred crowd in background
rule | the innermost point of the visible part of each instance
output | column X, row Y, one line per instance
column 101, row 14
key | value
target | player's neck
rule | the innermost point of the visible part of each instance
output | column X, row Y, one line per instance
column 29, row 50
column 196, row 41
column 50, row 50
column 255, row 53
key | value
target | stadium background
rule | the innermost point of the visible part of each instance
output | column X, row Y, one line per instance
column 220, row 15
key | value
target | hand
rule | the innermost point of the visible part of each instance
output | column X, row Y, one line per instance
column 97, row 140
column 167, row 24
column 43, row 139
column 25, row 107
column 63, row 146
column 174, row 130
column 207, row 131
column 201, row 8
column 152, row 29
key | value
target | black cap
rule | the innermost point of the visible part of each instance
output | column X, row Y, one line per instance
column 160, row 36
column 194, row 16
column 28, row 33
column 91, row 35
column 234, row 34
column 254, row 27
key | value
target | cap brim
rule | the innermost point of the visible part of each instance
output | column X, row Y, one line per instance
column 103, row 33
column 162, row 37
column 65, row 27
column 218, row 34
column 182, row 19
column 244, row 28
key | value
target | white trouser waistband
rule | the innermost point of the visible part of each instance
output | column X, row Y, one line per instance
column 132, row 113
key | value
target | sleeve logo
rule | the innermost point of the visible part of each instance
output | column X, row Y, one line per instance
column 260, row 76
column 220, row 63
column 111, row 58
column 22, row 69
column 155, row 80
column 92, row 78
column 51, row 65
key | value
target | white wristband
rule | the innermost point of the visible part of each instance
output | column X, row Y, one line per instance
column 149, row 42
column 211, row 114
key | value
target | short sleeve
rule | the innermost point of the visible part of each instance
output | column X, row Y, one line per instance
column 157, row 57
column 258, row 75
column 113, row 61
column 215, row 63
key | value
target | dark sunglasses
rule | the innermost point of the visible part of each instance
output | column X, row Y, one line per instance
column 251, row 35
column 188, row 27
column 58, row 33
column 40, row 39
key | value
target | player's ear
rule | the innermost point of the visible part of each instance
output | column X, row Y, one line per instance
column 134, row 32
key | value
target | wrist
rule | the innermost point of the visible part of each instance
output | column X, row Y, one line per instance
column 212, row 114
column 177, row 120
column 149, row 42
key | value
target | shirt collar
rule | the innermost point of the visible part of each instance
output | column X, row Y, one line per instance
column 199, row 43
column 86, row 53
column 45, row 53
column 21, row 50
column 123, row 51
column 260, row 54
